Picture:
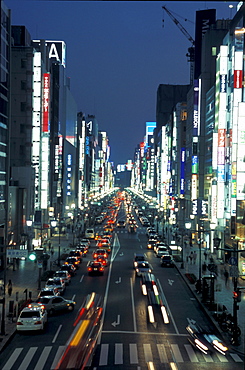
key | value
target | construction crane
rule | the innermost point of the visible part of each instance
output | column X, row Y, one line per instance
column 191, row 50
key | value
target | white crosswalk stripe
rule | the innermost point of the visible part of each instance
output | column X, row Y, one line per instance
column 115, row 353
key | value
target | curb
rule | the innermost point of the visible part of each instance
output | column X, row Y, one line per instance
column 207, row 313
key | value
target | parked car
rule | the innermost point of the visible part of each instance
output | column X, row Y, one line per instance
column 95, row 268
column 55, row 304
column 57, row 283
column 32, row 318
column 48, row 292
column 69, row 268
column 73, row 261
column 64, row 275
column 76, row 253
column 167, row 261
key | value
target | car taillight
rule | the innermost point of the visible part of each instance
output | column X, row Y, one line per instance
column 101, row 268
column 89, row 268
column 19, row 323
column 38, row 322
column 95, row 255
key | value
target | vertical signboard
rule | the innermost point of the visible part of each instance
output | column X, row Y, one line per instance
column 46, row 102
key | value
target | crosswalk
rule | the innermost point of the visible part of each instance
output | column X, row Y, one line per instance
column 107, row 354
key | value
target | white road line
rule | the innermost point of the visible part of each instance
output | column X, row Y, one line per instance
column 43, row 358
column 28, row 357
column 207, row 358
column 81, row 278
column 57, row 357
column 147, row 352
column 57, row 333
column 176, row 353
column 166, row 304
column 162, row 353
column 235, row 357
column 118, row 353
column 191, row 353
column 12, row 359
column 133, row 305
column 133, row 353
column 221, row 357
column 104, row 354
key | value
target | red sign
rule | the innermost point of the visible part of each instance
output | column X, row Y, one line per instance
column 46, row 99
column 237, row 79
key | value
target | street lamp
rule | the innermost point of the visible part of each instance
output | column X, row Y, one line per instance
column 54, row 223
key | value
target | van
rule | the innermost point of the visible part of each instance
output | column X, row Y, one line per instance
column 89, row 233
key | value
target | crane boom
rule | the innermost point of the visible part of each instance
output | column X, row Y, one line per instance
column 178, row 24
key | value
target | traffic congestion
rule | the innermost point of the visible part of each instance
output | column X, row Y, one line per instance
column 119, row 288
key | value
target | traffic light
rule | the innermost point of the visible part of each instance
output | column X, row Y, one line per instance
column 32, row 256
column 237, row 295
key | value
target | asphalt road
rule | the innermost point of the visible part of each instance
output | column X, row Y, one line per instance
column 128, row 340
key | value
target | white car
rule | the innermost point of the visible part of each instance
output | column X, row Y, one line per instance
column 33, row 317
column 56, row 283
column 64, row 275
column 162, row 251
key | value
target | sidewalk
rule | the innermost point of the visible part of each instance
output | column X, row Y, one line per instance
column 26, row 280
column 223, row 292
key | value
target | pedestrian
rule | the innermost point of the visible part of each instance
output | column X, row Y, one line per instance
column 52, row 251
column 194, row 257
column 191, row 257
column 10, row 288
column 205, row 255
column 204, row 267
column 226, row 275
column 198, row 286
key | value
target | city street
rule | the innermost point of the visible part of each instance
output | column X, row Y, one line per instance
column 128, row 340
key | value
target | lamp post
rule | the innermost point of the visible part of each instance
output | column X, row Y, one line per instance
column 54, row 224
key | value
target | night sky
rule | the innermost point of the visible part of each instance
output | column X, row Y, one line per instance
column 117, row 54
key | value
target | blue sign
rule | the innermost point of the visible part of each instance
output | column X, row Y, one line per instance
column 233, row 261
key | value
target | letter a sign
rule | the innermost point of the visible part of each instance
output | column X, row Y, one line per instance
column 53, row 53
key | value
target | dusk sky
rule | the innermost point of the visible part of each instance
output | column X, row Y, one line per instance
column 118, row 52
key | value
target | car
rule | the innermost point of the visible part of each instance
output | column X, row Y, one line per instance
column 95, row 268
column 45, row 292
column 33, row 317
column 151, row 243
column 167, row 261
column 73, row 261
column 160, row 244
column 55, row 304
column 139, row 257
column 76, row 253
column 100, row 252
column 85, row 241
column 148, row 282
column 56, row 283
column 102, row 260
column 143, row 267
column 69, row 268
column 64, row 275
column 205, row 340
column 162, row 251
column 83, row 249
column 121, row 223
column 89, row 233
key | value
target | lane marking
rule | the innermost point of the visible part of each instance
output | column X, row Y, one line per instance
column 57, row 333
column 133, row 305
column 12, row 359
